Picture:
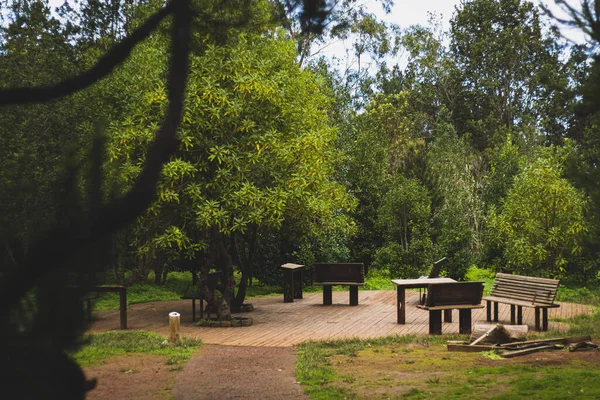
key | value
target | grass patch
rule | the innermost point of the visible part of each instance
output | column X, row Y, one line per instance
column 99, row 346
column 422, row 368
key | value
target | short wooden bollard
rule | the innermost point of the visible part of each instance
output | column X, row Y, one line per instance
column 174, row 327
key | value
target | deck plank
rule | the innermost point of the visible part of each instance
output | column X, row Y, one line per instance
column 279, row 324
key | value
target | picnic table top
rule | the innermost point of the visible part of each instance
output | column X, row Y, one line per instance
column 420, row 282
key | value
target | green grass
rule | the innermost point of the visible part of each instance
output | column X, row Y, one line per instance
column 99, row 346
column 422, row 368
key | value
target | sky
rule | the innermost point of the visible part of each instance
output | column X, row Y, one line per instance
column 410, row 12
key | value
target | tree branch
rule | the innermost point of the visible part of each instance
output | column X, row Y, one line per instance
column 51, row 250
column 114, row 57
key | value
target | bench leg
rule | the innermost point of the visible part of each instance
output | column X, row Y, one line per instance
column 512, row 314
column 353, row 295
column 89, row 309
column 448, row 315
column 519, row 315
column 123, row 307
column 464, row 321
column 495, row 311
column 194, row 309
column 537, row 319
column 488, row 311
column 544, row 319
column 435, row 322
column 327, row 299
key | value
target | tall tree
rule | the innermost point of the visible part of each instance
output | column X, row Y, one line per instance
column 256, row 151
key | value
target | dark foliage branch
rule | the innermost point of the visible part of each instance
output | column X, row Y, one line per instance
column 54, row 247
column 114, row 57
column 587, row 18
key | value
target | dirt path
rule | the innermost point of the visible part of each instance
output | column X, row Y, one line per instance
column 238, row 372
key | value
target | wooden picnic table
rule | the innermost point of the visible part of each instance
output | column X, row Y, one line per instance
column 403, row 284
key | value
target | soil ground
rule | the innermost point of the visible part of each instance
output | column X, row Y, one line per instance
column 242, row 372
column 213, row 372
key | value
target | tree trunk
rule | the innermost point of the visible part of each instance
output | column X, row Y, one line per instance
column 221, row 261
column 139, row 274
column 246, row 264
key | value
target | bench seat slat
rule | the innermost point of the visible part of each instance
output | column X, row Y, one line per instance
column 506, row 300
column 451, row 307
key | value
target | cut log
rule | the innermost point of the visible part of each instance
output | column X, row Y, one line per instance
column 582, row 346
column 471, row 348
column 542, row 347
column 502, row 333
column 565, row 340
column 485, row 335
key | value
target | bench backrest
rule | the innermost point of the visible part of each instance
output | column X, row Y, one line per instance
column 538, row 291
column 339, row 272
column 437, row 267
column 454, row 294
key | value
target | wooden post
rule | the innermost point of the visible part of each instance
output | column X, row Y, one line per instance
column 174, row 327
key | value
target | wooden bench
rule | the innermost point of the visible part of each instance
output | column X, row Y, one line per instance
column 348, row 274
column 94, row 294
column 522, row 291
column 463, row 296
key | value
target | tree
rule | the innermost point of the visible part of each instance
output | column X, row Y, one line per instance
column 256, row 151
column 404, row 219
column 455, row 178
column 542, row 218
column 510, row 71
column 41, row 318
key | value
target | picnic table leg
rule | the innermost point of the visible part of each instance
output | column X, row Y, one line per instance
column 353, row 295
column 400, row 305
column 448, row 315
column 327, row 297
column 464, row 321
column 123, row 307
column 435, row 322
column 519, row 315
column 512, row 314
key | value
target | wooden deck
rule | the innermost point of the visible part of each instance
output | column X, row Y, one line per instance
column 286, row 324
